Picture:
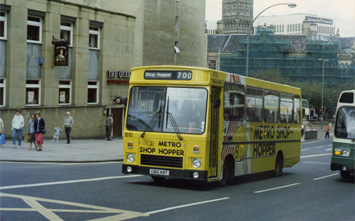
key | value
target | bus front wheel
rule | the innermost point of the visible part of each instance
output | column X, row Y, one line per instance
column 158, row 179
column 279, row 164
column 345, row 174
column 228, row 171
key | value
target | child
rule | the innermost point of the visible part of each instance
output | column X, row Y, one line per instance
column 57, row 130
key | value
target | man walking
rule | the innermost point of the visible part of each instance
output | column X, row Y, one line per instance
column 67, row 125
column 109, row 124
column 17, row 125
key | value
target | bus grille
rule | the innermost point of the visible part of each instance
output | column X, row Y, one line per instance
column 161, row 161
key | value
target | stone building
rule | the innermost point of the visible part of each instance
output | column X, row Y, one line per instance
column 237, row 16
column 76, row 55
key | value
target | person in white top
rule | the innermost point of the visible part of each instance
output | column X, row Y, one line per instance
column 17, row 125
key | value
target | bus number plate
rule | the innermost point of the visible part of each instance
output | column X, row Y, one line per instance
column 159, row 172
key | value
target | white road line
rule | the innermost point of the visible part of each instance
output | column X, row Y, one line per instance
column 186, row 205
column 305, row 149
column 276, row 188
column 66, row 182
column 328, row 149
column 312, row 142
column 315, row 162
column 323, row 177
column 317, row 155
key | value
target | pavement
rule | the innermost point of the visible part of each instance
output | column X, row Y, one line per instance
column 78, row 151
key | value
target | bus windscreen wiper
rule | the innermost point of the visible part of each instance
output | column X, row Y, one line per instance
column 170, row 117
column 153, row 121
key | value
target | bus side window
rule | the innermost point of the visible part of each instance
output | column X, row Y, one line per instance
column 271, row 106
column 234, row 101
column 286, row 108
column 297, row 109
column 254, row 105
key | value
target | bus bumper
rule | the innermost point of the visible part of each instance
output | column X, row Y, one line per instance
column 182, row 174
column 339, row 163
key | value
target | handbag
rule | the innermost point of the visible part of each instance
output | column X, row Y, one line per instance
column 27, row 138
column 2, row 139
column 44, row 131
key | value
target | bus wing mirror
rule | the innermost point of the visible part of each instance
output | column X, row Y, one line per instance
column 217, row 103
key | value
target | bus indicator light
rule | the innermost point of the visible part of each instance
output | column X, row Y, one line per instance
column 196, row 149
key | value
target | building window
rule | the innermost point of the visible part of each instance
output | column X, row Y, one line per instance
column 212, row 64
column 93, row 92
column 64, row 92
column 2, row 92
column 33, row 92
column 94, row 37
column 34, row 29
column 177, row 22
column 3, row 25
column 66, row 32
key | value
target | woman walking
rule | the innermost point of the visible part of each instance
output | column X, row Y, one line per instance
column 31, row 131
column 39, row 126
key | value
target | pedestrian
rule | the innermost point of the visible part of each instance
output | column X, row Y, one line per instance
column 31, row 131
column 17, row 125
column 40, row 129
column 109, row 124
column 67, row 125
column 2, row 126
column 2, row 136
column 327, row 131
column 57, row 130
column 302, row 130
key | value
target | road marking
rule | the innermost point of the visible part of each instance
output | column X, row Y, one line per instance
column 186, row 205
column 66, row 182
column 315, row 162
column 317, row 155
column 323, row 177
column 313, row 142
column 277, row 188
column 305, row 149
column 328, row 149
column 34, row 203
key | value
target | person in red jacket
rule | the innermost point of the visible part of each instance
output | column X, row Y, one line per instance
column 327, row 131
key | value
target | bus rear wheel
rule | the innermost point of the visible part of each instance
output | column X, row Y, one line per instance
column 279, row 164
column 228, row 171
column 158, row 179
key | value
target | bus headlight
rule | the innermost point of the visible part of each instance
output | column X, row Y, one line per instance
column 196, row 162
column 346, row 152
column 342, row 152
column 130, row 158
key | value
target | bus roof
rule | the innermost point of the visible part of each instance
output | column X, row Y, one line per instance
column 253, row 82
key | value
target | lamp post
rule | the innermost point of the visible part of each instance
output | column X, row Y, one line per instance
column 323, row 61
column 290, row 5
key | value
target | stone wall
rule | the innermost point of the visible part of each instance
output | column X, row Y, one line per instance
column 89, row 122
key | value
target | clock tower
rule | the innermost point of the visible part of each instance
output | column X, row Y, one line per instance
column 237, row 16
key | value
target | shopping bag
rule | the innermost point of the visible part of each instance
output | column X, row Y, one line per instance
column 2, row 139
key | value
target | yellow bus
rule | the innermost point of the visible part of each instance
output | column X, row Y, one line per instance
column 207, row 125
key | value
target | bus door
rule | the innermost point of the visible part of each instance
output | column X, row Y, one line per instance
column 214, row 135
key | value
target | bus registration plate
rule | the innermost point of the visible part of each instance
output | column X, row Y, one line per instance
column 159, row 172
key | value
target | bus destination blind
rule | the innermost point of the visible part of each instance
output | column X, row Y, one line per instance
column 168, row 75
